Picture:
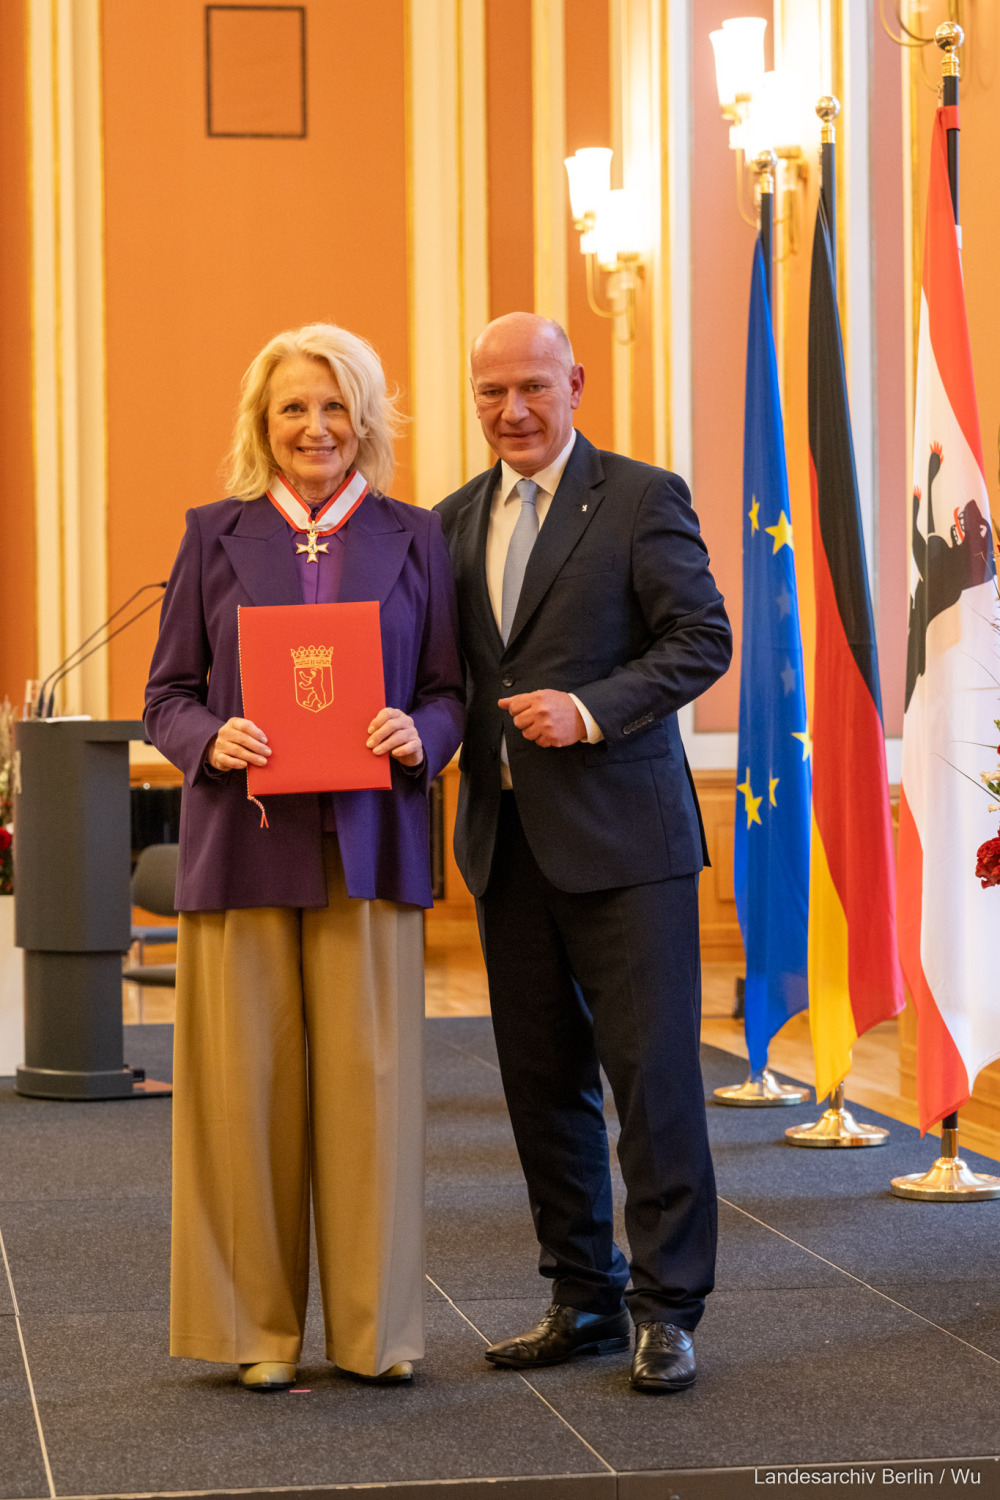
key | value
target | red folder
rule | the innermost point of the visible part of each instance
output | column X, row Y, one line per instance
column 312, row 681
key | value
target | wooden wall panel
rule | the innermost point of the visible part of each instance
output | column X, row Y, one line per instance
column 979, row 1120
column 458, row 903
column 720, row 932
column 720, row 929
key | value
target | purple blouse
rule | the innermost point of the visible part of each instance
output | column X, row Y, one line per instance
column 321, row 580
column 320, row 583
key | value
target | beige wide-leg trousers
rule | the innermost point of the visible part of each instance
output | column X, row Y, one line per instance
column 298, row 1059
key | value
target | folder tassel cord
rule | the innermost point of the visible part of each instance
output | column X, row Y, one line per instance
column 239, row 648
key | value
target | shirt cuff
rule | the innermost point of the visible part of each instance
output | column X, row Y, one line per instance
column 595, row 733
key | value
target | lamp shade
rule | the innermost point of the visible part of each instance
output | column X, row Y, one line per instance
column 589, row 173
column 739, row 57
column 725, row 80
column 777, row 113
column 621, row 226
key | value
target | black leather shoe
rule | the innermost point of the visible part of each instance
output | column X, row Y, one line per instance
column 663, row 1358
column 563, row 1332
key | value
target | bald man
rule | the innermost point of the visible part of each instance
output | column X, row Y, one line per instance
column 588, row 618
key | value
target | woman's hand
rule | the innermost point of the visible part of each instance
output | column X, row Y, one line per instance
column 393, row 732
column 239, row 743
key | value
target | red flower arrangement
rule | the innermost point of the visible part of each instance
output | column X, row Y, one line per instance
column 988, row 862
column 988, row 854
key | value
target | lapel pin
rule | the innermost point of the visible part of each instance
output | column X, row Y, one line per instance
column 583, row 507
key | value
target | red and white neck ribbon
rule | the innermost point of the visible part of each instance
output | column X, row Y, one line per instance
column 335, row 513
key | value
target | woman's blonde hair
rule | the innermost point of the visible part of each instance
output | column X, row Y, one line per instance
column 250, row 464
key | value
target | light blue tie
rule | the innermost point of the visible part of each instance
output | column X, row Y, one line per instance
column 522, row 540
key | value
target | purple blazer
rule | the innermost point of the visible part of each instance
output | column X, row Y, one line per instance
column 237, row 552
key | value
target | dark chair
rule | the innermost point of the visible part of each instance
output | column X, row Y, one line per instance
column 153, row 882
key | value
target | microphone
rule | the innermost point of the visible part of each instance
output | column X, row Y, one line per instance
column 43, row 707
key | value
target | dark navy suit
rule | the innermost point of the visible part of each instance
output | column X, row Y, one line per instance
column 586, row 875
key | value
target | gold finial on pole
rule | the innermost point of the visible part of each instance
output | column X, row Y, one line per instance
column 828, row 108
column 949, row 37
column 765, row 164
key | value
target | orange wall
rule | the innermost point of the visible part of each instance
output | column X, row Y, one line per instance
column 17, row 542
column 509, row 157
column 213, row 245
column 588, row 123
column 721, row 257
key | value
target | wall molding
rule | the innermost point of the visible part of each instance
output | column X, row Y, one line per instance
column 705, row 751
column 622, row 356
column 548, row 118
column 856, row 35
column 642, row 134
column 473, row 219
column 676, row 115
column 68, row 355
column 447, row 217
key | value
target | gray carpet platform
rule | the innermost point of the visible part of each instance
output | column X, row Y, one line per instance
column 853, row 1340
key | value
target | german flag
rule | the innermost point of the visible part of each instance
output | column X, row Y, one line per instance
column 854, row 975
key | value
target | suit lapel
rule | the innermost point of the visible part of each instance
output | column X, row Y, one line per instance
column 471, row 555
column 573, row 507
column 267, row 571
column 264, row 561
column 375, row 550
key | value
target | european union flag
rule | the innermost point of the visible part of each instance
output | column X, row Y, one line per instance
column 773, row 795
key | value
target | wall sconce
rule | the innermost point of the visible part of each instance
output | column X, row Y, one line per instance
column 739, row 67
column 776, row 122
column 589, row 173
column 766, row 112
column 611, row 225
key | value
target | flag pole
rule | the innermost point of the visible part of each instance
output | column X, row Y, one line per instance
column 828, row 108
column 760, row 1089
column 949, row 1179
column 765, row 165
column 836, row 1126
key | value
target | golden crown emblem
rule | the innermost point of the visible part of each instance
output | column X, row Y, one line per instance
column 311, row 656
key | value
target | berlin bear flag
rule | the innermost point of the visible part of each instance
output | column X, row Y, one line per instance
column 854, row 975
column 947, row 923
column 771, row 851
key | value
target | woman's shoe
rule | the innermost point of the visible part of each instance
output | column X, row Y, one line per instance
column 267, row 1375
column 400, row 1373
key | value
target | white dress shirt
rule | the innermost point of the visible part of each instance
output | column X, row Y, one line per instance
column 504, row 511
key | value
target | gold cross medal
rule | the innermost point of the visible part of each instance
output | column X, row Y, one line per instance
column 313, row 546
column 336, row 511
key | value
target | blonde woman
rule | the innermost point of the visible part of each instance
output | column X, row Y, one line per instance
column 298, row 1043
